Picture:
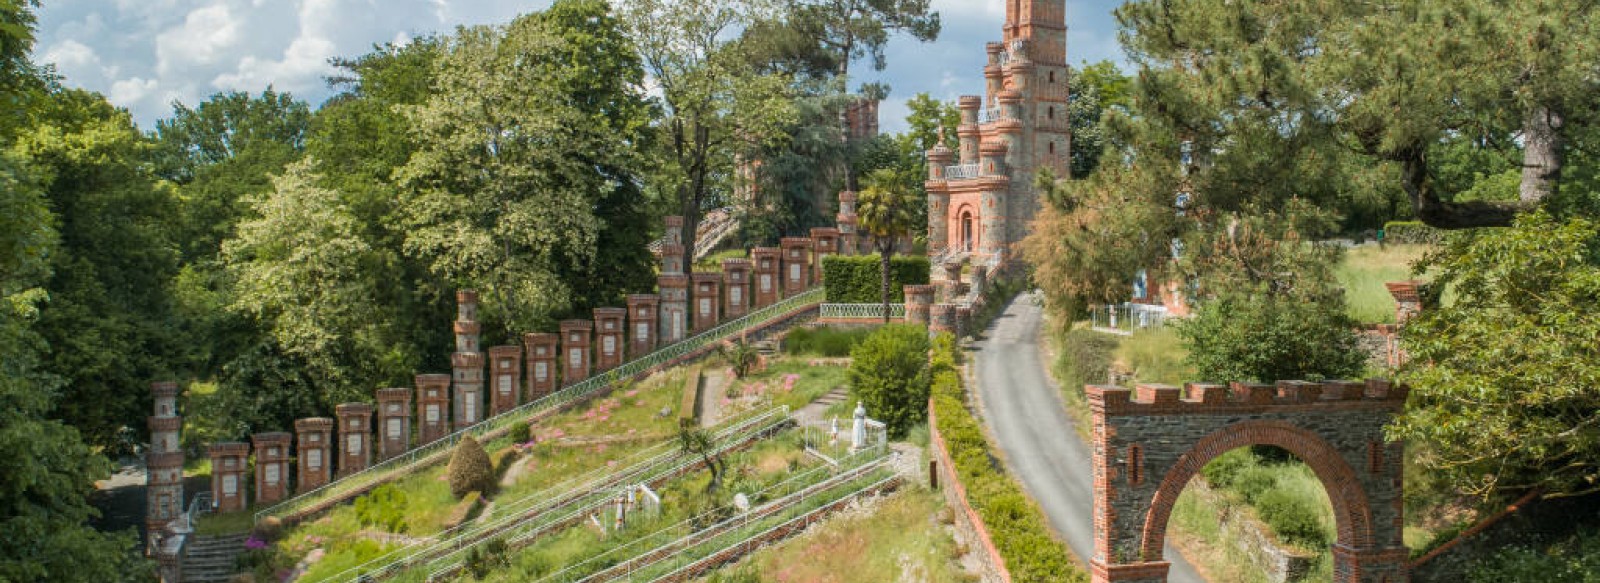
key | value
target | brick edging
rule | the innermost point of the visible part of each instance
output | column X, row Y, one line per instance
column 949, row 476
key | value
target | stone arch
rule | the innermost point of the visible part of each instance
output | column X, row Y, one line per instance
column 1350, row 508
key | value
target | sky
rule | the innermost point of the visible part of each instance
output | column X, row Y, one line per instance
column 145, row 55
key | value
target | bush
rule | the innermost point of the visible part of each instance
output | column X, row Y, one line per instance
column 1403, row 232
column 520, row 431
column 889, row 374
column 1266, row 337
column 824, row 341
column 1292, row 518
column 470, row 469
column 858, row 279
column 384, row 507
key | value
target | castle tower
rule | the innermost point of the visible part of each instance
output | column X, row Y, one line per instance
column 467, row 362
column 164, row 462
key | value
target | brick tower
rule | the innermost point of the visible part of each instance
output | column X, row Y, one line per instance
column 467, row 362
column 981, row 205
column 674, row 306
column 164, row 462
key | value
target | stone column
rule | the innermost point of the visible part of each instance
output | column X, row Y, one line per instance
column 314, row 434
column 394, row 422
column 228, row 464
column 1407, row 299
column 769, row 288
column 468, row 397
column 993, row 240
column 541, row 348
column 575, row 339
column 825, row 241
column 433, row 407
column 272, row 465
column 796, row 264
column 942, row 318
column 736, row 283
column 848, row 222
column 919, row 300
column 609, row 333
column 674, row 310
column 355, row 437
column 707, row 300
column 938, row 189
column 505, row 387
column 164, row 478
column 968, row 130
column 466, row 325
column 642, row 323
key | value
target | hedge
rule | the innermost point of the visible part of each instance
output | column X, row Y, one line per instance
column 857, row 280
column 1020, row 531
column 1401, row 232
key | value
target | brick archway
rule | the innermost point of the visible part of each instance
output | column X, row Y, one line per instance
column 1150, row 442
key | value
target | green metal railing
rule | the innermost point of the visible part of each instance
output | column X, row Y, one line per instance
column 428, row 454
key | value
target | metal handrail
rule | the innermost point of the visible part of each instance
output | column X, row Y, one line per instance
column 424, row 455
column 861, row 311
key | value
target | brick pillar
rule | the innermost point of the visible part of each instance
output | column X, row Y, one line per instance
column 736, row 286
column 575, row 359
column 1407, row 299
column 942, row 318
column 796, row 264
column 314, row 436
column 272, row 465
column 950, row 286
column 433, row 407
column 848, row 221
column 674, row 310
column 642, row 323
column 228, row 485
column 164, row 480
column 466, row 325
column 505, row 378
column 707, row 300
column 541, row 349
column 919, row 301
column 355, row 437
column 467, row 397
column 609, row 336
column 825, row 242
column 768, row 281
column 939, row 158
column 394, row 422
column 672, row 248
column 963, row 321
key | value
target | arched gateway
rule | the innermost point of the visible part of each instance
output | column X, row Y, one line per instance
column 1149, row 442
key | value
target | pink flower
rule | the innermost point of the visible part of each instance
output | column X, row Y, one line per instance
column 632, row 393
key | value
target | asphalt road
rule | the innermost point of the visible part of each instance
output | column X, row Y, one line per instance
column 1022, row 408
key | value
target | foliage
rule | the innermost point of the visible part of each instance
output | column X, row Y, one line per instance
column 703, row 443
column 1401, row 232
column 470, row 469
column 384, row 507
column 1019, row 529
column 887, row 211
column 741, row 355
column 858, row 279
column 1094, row 89
column 847, row 30
column 889, row 374
column 823, row 340
column 1285, row 494
column 1503, row 377
column 493, row 555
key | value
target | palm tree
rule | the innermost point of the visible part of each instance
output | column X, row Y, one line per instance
column 885, row 210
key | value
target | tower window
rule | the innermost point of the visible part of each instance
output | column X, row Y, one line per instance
column 1052, row 147
column 1052, row 113
column 1052, row 76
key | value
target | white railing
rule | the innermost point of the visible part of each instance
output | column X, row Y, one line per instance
column 994, row 114
column 436, row 451
column 861, row 312
column 961, row 171
column 1125, row 318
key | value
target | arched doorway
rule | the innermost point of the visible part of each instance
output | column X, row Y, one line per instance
column 968, row 238
column 1149, row 442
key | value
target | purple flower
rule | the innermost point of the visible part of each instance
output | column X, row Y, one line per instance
column 254, row 543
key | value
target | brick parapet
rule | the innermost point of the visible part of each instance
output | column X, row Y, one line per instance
column 576, row 336
column 355, row 437
column 642, row 322
column 229, row 462
column 433, row 407
column 394, row 421
column 1243, row 398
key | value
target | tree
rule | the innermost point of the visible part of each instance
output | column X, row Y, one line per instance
column 889, row 373
column 703, row 443
column 932, row 122
column 1503, row 376
column 854, row 29
column 886, row 210
column 470, row 469
column 717, row 102
column 1374, row 86
column 1094, row 89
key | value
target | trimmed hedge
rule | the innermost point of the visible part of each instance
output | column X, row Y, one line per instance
column 1402, row 232
column 1017, row 525
column 856, row 279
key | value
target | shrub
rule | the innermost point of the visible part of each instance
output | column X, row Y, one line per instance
column 1243, row 336
column 470, row 469
column 740, row 355
column 1402, row 232
column 1291, row 517
column 889, row 374
column 1222, row 471
column 384, row 507
column 824, row 341
column 857, row 279
column 520, row 431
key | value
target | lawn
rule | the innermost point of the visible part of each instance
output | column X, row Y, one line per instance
column 903, row 540
column 1363, row 272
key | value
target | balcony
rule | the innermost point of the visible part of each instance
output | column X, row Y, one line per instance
column 995, row 114
column 962, row 172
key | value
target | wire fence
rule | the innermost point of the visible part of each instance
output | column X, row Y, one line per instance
column 436, row 451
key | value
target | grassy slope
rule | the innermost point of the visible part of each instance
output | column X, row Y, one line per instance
column 900, row 541
column 1364, row 271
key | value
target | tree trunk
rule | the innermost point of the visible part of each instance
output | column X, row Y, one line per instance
column 1447, row 215
column 883, row 268
column 1541, row 155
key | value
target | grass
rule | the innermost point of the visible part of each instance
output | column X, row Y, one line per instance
column 824, row 341
column 1363, row 272
column 1154, row 355
column 901, row 541
column 713, row 262
column 228, row 523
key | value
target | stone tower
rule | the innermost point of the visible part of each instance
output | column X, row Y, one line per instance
column 981, row 198
column 674, row 284
column 165, row 465
column 467, row 362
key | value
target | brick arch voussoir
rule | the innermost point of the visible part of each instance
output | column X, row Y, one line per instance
column 1351, row 508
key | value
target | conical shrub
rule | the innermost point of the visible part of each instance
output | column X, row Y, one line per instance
column 470, row 469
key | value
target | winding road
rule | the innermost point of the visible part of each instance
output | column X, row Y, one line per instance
column 1022, row 408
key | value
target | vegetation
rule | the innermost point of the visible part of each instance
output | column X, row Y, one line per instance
column 824, row 341
column 1364, row 270
column 885, row 209
column 470, row 469
column 1281, row 490
column 859, row 280
column 900, row 540
column 889, row 374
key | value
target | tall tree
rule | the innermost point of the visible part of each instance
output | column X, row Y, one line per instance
column 855, row 29
column 886, row 209
column 716, row 101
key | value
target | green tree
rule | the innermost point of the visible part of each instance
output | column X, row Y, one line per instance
column 889, row 373
column 931, row 122
column 1503, row 375
column 855, row 29
column 1094, row 89
column 887, row 212
column 700, row 442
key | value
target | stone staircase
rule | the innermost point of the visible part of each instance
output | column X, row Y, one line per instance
column 212, row 559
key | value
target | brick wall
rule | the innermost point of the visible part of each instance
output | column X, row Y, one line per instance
column 992, row 567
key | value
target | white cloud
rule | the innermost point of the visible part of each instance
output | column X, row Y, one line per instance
column 200, row 40
column 131, row 90
column 70, row 54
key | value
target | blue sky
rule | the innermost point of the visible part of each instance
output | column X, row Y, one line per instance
column 146, row 54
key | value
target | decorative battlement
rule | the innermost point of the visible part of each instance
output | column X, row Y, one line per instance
column 165, row 424
column 466, row 359
column 164, row 390
column 1158, row 399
